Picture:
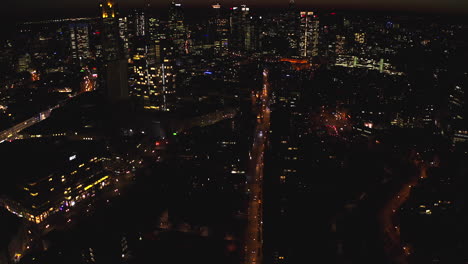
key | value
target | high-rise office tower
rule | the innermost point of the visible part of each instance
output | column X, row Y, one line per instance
column 166, row 74
column 143, row 77
column 152, row 75
column 113, row 48
column 309, row 34
column 221, row 30
column 155, row 29
column 140, row 23
column 291, row 29
column 331, row 38
column 153, row 82
column 254, row 28
column 241, row 33
column 177, row 32
column 79, row 41
column 163, row 52
column 123, row 32
column 137, row 27
column 115, row 63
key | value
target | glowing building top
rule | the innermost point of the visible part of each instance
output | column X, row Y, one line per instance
column 108, row 9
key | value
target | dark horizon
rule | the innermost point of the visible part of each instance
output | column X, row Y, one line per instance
column 24, row 9
column 31, row 14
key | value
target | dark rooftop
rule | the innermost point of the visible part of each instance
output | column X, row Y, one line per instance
column 26, row 161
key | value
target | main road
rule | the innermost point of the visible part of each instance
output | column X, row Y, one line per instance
column 254, row 236
column 12, row 133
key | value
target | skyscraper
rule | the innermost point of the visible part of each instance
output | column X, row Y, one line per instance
column 115, row 63
column 151, row 78
column 144, row 74
column 309, row 34
column 141, row 24
column 241, row 32
column 221, row 30
column 154, row 29
column 113, row 48
column 79, row 40
column 151, row 63
column 291, row 29
column 123, row 32
column 177, row 32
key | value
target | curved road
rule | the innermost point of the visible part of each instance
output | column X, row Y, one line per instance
column 393, row 247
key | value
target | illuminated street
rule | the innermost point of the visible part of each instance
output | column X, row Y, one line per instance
column 254, row 237
column 88, row 83
column 12, row 133
column 393, row 244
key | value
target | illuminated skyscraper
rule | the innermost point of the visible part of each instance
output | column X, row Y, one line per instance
column 123, row 32
column 140, row 23
column 142, row 80
column 152, row 79
column 113, row 48
column 151, row 57
column 79, row 41
column 309, row 34
column 241, row 32
column 221, row 30
column 291, row 29
column 116, row 65
column 155, row 31
column 255, row 27
column 177, row 32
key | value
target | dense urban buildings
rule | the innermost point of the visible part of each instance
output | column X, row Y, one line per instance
column 233, row 132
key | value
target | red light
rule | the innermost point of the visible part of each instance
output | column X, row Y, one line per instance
column 333, row 13
column 157, row 143
column 98, row 32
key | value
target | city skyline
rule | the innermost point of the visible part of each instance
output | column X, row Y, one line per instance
column 450, row 6
column 256, row 132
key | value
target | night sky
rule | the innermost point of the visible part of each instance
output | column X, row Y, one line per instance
column 36, row 8
column 408, row 4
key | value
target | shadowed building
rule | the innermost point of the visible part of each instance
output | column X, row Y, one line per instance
column 116, row 72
